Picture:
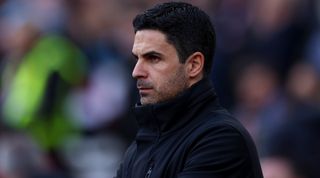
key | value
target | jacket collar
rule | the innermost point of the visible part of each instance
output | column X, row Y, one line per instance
column 173, row 113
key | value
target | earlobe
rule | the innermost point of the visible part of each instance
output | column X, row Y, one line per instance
column 195, row 65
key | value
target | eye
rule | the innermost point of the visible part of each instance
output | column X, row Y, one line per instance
column 153, row 58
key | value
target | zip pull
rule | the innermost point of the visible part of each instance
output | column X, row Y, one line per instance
column 148, row 174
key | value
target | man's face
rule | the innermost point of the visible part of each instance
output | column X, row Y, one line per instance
column 160, row 76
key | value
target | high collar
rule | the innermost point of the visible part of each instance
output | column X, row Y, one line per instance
column 174, row 113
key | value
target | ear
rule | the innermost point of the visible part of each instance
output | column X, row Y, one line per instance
column 195, row 64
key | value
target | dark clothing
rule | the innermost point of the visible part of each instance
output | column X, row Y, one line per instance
column 191, row 136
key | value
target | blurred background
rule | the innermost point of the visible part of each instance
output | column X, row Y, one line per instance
column 66, row 89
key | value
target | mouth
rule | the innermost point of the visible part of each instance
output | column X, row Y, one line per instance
column 144, row 87
column 144, row 90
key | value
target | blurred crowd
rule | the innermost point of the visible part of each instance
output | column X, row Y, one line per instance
column 66, row 89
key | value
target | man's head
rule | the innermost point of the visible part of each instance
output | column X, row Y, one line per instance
column 174, row 45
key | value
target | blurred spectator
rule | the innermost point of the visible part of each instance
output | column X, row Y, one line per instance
column 278, row 30
column 14, row 45
column 94, row 157
column 45, row 15
column 260, row 102
column 103, row 103
column 20, row 157
column 303, row 84
column 104, row 28
column 295, row 146
column 275, row 29
column 103, row 99
column 49, row 58
column 230, row 18
column 100, row 108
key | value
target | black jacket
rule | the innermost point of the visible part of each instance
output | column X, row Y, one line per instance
column 191, row 136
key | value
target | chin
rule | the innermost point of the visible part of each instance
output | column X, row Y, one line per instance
column 149, row 101
column 146, row 101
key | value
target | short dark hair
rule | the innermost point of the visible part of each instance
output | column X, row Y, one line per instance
column 186, row 27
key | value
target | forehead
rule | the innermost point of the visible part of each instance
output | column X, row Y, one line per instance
column 150, row 40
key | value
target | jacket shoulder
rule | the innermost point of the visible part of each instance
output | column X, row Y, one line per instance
column 222, row 119
column 221, row 143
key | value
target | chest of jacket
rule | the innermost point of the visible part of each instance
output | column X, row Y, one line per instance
column 161, row 155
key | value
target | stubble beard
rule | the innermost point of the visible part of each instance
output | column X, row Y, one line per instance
column 169, row 89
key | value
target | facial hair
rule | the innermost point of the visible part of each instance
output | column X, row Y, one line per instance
column 169, row 89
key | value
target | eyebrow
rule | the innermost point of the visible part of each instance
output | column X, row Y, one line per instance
column 150, row 53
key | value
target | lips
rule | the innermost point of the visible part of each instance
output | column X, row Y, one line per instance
column 144, row 87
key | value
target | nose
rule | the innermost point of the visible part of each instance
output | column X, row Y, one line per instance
column 139, row 70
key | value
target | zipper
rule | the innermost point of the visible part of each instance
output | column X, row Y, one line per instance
column 151, row 161
column 148, row 174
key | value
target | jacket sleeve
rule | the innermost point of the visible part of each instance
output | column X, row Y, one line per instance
column 220, row 151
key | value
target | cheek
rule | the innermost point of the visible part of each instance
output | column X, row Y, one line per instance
column 159, row 75
column 173, row 81
column 164, row 77
column 159, row 81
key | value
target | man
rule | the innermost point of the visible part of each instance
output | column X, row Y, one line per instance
column 184, row 132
